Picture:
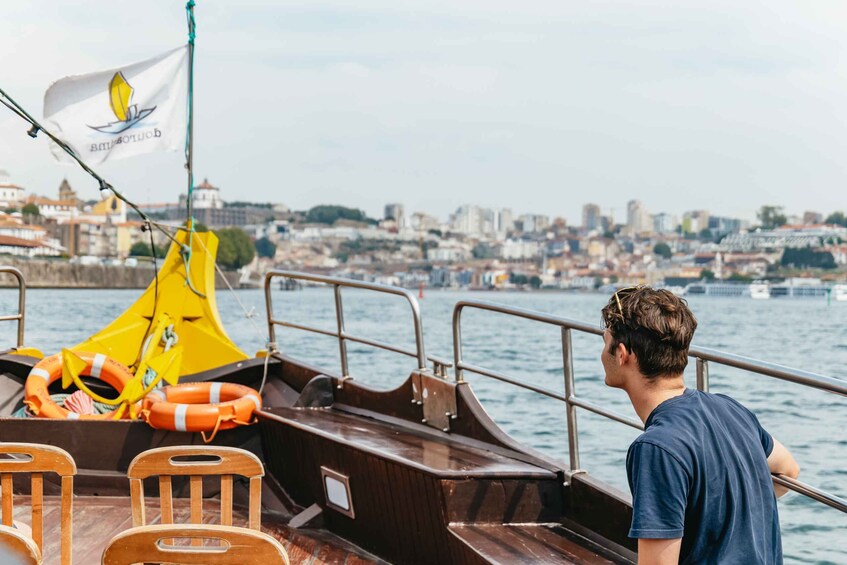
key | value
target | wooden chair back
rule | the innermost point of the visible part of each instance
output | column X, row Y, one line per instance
column 234, row 546
column 163, row 462
column 17, row 549
column 37, row 460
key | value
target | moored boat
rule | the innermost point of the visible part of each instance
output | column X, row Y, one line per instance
column 419, row 473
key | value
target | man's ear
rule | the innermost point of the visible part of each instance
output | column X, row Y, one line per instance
column 622, row 355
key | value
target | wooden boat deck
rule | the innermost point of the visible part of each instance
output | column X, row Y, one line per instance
column 546, row 544
column 96, row 519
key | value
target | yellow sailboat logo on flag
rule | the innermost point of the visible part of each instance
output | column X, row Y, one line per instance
column 121, row 112
column 120, row 98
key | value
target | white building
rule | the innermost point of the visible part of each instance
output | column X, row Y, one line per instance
column 520, row 249
column 468, row 220
column 477, row 221
column 664, row 223
column 505, row 221
column 533, row 223
column 59, row 210
column 424, row 222
column 22, row 240
column 207, row 196
column 638, row 220
column 11, row 195
column 448, row 252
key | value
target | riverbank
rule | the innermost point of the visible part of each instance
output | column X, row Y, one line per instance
column 64, row 274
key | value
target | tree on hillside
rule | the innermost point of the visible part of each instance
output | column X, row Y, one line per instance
column 837, row 218
column 802, row 257
column 326, row 214
column 662, row 249
column 30, row 210
column 771, row 217
column 265, row 247
column 707, row 274
column 235, row 248
column 142, row 249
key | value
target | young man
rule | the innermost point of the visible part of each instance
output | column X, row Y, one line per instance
column 700, row 474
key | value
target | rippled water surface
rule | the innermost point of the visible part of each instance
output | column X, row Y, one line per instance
column 807, row 334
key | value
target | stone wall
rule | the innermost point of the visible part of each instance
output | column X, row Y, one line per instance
column 63, row 274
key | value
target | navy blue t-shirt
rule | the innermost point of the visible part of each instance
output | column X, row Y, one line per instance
column 699, row 472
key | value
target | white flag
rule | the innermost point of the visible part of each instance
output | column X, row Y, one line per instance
column 123, row 112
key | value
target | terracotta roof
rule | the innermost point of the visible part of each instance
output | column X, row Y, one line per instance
column 16, row 225
column 205, row 184
column 40, row 200
column 11, row 186
column 18, row 242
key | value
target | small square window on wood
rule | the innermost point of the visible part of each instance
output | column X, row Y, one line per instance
column 337, row 492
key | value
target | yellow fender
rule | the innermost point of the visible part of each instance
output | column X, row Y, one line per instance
column 28, row 352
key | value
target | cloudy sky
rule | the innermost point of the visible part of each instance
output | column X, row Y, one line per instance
column 540, row 106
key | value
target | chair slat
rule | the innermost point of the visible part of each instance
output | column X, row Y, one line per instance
column 196, row 488
column 136, row 496
column 255, row 509
column 38, row 510
column 67, row 518
column 6, row 485
column 166, row 499
column 226, row 500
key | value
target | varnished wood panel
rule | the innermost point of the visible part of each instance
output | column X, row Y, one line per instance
column 440, row 456
column 526, row 544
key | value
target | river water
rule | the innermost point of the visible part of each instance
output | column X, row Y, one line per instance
column 807, row 334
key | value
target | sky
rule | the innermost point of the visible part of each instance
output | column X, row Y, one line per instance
column 538, row 106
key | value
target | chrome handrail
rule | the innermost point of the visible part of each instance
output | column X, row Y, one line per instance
column 20, row 316
column 702, row 355
column 343, row 337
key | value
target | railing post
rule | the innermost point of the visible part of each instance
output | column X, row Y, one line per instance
column 269, row 310
column 573, row 435
column 342, row 343
column 702, row 375
column 457, row 342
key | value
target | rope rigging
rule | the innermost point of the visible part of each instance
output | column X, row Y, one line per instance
column 185, row 249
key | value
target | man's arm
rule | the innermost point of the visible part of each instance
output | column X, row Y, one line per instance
column 659, row 551
column 781, row 462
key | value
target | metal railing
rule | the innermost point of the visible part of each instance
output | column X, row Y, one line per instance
column 419, row 353
column 702, row 355
column 21, row 302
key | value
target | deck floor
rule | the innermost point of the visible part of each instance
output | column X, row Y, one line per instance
column 96, row 519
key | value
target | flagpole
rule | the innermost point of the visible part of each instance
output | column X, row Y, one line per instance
column 189, row 142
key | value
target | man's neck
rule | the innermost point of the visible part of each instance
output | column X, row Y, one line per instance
column 645, row 398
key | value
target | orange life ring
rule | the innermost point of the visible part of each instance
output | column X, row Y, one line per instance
column 200, row 407
column 49, row 370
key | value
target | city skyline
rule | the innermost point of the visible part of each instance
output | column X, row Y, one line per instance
column 536, row 107
column 664, row 217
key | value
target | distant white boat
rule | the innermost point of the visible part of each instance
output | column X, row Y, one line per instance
column 839, row 292
column 760, row 291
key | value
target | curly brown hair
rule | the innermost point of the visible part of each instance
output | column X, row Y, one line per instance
column 655, row 325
